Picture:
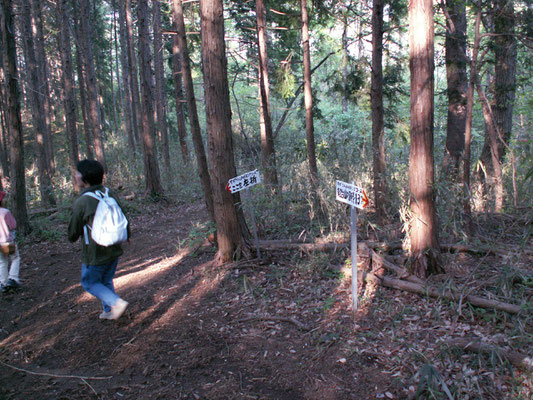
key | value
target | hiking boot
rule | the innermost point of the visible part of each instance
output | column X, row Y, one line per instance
column 118, row 309
column 11, row 283
column 105, row 315
column 4, row 288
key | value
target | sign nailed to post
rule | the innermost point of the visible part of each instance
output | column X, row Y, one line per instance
column 351, row 194
column 243, row 181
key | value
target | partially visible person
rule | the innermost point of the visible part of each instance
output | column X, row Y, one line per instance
column 9, row 252
column 99, row 263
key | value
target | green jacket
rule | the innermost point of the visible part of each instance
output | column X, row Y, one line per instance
column 83, row 212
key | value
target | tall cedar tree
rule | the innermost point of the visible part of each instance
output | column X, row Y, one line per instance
column 468, row 127
column 178, row 89
column 126, row 76
column 38, row 113
column 378, row 129
column 501, row 113
column 151, row 166
column 161, row 106
column 230, row 237
column 424, row 241
column 43, row 70
column 268, row 155
column 89, row 153
column 132, row 66
column 87, row 56
column 457, row 85
column 67, row 81
column 180, row 49
column 9, row 52
column 308, row 97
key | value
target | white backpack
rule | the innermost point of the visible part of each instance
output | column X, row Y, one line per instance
column 110, row 225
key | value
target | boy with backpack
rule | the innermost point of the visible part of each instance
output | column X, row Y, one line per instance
column 98, row 220
column 9, row 253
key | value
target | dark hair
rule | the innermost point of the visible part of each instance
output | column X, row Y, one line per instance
column 92, row 172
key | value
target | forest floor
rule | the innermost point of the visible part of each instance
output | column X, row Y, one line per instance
column 281, row 327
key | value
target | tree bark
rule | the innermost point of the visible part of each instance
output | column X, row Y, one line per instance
column 161, row 104
column 308, row 97
column 268, row 155
column 196, row 133
column 151, row 167
column 230, row 239
column 93, row 113
column 457, row 86
column 14, row 118
column 423, row 230
column 45, row 181
column 378, row 129
column 132, row 65
column 67, row 80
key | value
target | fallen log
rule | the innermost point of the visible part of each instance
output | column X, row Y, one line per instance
column 382, row 261
column 452, row 295
column 307, row 247
column 519, row 360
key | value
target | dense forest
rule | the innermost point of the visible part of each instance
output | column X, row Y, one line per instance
column 426, row 105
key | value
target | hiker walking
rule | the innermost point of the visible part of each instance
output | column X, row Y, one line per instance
column 9, row 252
column 99, row 258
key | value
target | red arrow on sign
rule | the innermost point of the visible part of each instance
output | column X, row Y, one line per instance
column 365, row 199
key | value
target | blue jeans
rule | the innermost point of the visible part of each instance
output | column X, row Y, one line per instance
column 98, row 281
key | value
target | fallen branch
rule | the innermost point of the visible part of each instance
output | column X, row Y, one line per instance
column 519, row 360
column 55, row 375
column 307, row 247
column 450, row 294
column 381, row 261
column 275, row 318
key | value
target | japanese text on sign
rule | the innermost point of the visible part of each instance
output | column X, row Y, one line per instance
column 351, row 194
column 243, row 181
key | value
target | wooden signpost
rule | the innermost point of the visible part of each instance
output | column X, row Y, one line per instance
column 245, row 182
column 356, row 198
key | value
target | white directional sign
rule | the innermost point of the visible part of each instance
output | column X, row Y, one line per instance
column 243, row 181
column 351, row 194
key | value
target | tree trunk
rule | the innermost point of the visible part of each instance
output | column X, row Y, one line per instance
column 39, row 122
column 93, row 112
column 378, row 129
column 126, row 77
column 230, row 239
column 14, row 119
column 424, row 241
column 308, row 97
column 89, row 142
column 161, row 106
column 196, row 133
column 44, row 91
column 467, row 192
column 268, row 155
column 177, row 71
column 457, row 86
column 505, row 53
column 151, row 167
column 67, row 80
column 5, row 144
column 132, row 64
